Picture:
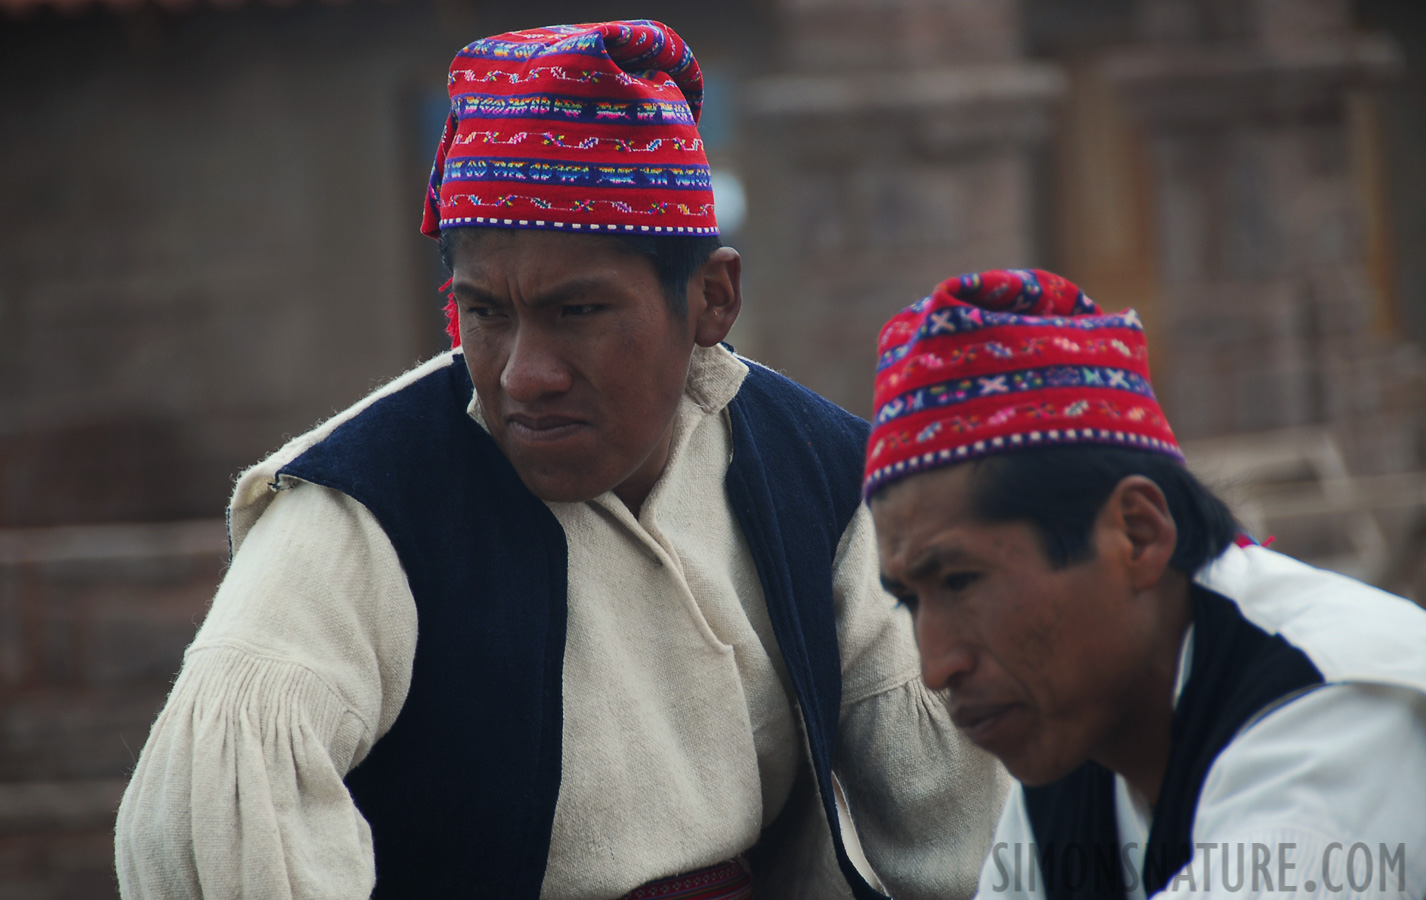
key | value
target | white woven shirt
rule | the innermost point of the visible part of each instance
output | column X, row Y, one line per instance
column 680, row 740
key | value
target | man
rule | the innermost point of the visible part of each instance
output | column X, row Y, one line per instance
column 587, row 608
column 1186, row 712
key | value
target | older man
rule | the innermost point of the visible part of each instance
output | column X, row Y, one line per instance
column 586, row 608
column 1187, row 713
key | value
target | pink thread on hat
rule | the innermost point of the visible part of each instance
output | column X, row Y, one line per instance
column 1003, row 361
column 584, row 128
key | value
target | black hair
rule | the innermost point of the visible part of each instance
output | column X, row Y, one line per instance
column 1061, row 490
column 675, row 259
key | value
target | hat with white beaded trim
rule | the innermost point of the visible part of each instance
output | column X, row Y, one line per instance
column 580, row 128
column 1002, row 361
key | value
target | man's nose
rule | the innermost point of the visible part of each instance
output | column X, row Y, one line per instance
column 534, row 368
column 945, row 658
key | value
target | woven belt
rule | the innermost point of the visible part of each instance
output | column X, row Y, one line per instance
column 725, row 881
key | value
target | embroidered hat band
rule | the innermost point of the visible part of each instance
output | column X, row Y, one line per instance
column 582, row 128
column 1001, row 361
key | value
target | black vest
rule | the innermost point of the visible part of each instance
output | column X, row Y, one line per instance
column 1238, row 670
column 460, row 794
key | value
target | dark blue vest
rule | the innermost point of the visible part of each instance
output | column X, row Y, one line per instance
column 1238, row 670
column 461, row 792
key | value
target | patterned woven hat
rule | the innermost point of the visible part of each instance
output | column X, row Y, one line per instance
column 583, row 128
column 1008, row 360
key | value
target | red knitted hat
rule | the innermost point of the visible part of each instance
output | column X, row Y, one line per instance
column 1008, row 360
column 583, row 128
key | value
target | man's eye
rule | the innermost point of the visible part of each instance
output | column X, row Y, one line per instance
column 481, row 312
column 959, row 581
column 581, row 309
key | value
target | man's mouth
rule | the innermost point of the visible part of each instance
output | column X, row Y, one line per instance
column 980, row 720
column 532, row 429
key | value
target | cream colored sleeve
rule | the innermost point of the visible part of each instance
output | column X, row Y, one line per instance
column 302, row 663
column 924, row 799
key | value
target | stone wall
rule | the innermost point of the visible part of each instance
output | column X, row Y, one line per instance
column 93, row 622
column 902, row 145
column 1270, row 314
column 207, row 232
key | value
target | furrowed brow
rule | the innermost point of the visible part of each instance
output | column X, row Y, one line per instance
column 469, row 294
column 932, row 561
column 569, row 290
column 564, row 292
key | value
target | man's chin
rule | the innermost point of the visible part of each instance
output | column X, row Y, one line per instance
column 1037, row 776
column 561, row 475
column 561, row 490
column 564, row 481
column 1034, row 772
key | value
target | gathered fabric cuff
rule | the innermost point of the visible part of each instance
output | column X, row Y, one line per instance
column 239, row 791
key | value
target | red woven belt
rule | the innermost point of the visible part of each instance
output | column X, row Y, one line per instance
column 725, row 881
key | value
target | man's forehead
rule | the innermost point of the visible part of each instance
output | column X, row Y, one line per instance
column 916, row 512
column 481, row 253
column 478, row 242
column 944, row 491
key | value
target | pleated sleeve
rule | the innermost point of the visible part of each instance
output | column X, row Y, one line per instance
column 302, row 663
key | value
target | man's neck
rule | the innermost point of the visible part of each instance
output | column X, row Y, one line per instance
column 1139, row 749
column 635, row 489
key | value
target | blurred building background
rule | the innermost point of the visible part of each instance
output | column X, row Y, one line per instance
column 208, row 216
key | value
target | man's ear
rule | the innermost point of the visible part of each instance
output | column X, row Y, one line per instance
column 719, row 285
column 1140, row 511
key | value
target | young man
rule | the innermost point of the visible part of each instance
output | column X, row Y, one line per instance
column 586, row 608
column 1186, row 712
